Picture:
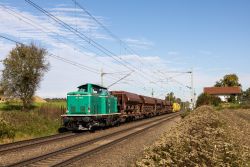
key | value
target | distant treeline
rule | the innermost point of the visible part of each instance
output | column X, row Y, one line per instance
column 55, row 99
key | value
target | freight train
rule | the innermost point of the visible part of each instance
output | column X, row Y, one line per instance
column 93, row 106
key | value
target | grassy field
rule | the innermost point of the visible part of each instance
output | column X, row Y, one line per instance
column 16, row 106
column 205, row 137
column 42, row 120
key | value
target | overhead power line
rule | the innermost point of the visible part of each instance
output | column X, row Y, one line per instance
column 78, row 65
column 73, row 63
column 48, row 31
column 78, row 33
column 81, row 66
column 41, row 28
column 126, row 47
column 12, row 40
column 90, row 69
column 89, row 40
column 174, row 80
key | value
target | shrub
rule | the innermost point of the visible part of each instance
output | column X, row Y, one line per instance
column 185, row 113
column 6, row 130
column 206, row 99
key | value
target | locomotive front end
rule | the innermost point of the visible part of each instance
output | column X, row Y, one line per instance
column 90, row 107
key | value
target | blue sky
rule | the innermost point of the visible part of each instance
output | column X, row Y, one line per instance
column 212, row 37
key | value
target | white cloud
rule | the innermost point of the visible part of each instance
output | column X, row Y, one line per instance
column 66, row 9
column 139, row 43
column 27, row 25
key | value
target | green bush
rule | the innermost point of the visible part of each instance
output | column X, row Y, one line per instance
column 245, row 106
column 206, row 99
column 185, row 113
column 6, row 130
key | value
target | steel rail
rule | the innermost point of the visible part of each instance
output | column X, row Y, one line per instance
column 87, row 143
column 102, row 147
column 10, row 147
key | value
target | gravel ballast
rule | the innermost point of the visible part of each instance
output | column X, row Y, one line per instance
column 127, row 152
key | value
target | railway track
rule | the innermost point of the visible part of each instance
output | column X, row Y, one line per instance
column 79, row 151
column 11, row 147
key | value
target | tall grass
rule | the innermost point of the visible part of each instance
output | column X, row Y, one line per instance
column 51, row 110
column 44, row 119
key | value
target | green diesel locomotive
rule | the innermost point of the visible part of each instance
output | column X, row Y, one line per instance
column 91, row 106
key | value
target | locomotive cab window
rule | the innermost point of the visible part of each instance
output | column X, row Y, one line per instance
column 96, row 90
column 83, row 88
column 99, row 90
column 104, row 91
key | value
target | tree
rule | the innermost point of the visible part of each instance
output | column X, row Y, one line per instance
column 246, row 95
column 185, row 105
column 170, row 97
column 178, row 100
column 1, row 90
column 24, row 68
column 206, row 99
column 228, row 80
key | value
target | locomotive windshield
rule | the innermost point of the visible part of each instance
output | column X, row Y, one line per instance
column 99, row 90
column 83, row 88
column 104, row 91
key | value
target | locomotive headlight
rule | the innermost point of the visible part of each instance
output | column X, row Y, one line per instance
column 88, row 109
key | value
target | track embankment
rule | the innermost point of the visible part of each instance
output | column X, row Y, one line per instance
column 206, row 137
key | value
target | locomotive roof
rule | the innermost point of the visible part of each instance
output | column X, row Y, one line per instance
column 95, row 85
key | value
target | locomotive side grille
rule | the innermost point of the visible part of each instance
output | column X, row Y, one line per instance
column 82, row 109
column 73, row 109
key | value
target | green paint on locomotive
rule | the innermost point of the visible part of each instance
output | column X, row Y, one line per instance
column 91, row 99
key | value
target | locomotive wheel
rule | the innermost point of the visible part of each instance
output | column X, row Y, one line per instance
column 62, row 129
column 91, row 129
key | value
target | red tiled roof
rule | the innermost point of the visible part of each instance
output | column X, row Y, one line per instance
column 222, row 90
